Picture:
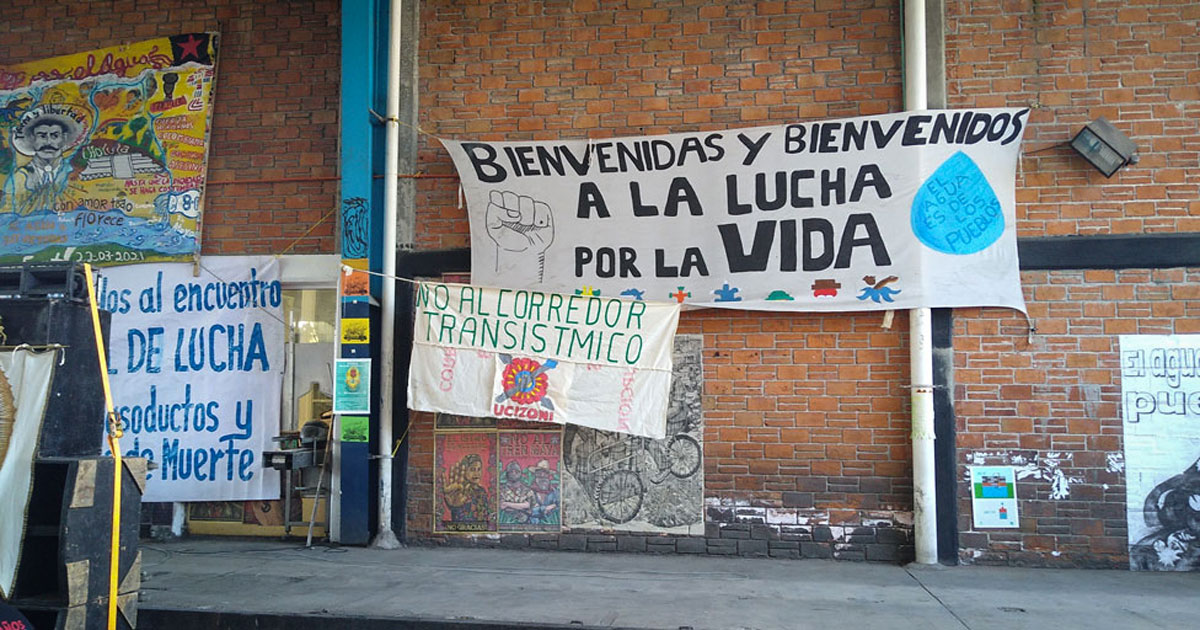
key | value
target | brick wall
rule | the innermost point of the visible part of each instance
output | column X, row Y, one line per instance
column 807, row 414
column 1138, row 66
column 806, row 444
column 544, row 69
column 276, row 112
column 1050, row 403
column 806, row 448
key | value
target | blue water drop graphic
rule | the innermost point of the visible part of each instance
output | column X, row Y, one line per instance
column 956, row 211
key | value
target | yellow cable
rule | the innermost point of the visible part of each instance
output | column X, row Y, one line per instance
column 306, row 233
column 401, row 440
column 114, row 435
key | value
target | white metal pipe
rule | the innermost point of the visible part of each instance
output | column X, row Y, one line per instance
column 920, row 329
column 386, row 538
column 915, row 89
column 924, row 481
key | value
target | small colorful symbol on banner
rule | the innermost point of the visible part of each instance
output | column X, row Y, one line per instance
column 524, row 389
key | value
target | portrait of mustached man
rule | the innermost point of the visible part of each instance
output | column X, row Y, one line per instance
column 45, row 137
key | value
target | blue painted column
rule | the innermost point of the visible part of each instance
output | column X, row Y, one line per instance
column 363, row 71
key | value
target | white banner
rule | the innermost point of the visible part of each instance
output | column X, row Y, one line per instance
column 1160, row 393
column 878, row 212
column 24, row 389
column 196, row 364
column 542, row 357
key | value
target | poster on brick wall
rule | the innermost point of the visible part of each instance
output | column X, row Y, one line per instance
column 103, row 153
column 871, row 213
column 994, row 497
column 542, row 357
column 529, row 480
column 615, row 481
column 196, row 365
column 1160, row 413
column 464, row 478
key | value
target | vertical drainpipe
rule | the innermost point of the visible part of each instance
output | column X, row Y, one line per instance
column 920, row 324
column 943, row 323
column 386, row 538
column 406, row 226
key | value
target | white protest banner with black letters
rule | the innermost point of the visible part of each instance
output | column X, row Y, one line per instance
column 196, row 365
column 878, row 212
column 598, row 362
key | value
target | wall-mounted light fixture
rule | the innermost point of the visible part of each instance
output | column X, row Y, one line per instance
column 1104, row 146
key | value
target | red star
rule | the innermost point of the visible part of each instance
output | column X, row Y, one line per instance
column 190, row 48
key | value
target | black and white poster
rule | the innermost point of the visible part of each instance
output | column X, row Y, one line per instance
column 618, row 481
column 1160, row 391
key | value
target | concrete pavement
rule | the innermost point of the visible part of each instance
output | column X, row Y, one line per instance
column 227, row 583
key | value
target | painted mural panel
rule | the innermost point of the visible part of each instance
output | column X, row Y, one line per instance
column 624, row 482
column 465, row 482
column 1160, row 391
column 103, row 153
column 530, row 496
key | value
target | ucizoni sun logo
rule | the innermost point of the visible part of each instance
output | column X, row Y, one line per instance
column 525, row 381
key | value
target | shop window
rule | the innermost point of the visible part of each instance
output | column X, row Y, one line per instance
column 308, row 380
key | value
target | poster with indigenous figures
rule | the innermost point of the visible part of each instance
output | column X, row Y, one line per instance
column 530, row 500
column 465, row 483
column 103, row 153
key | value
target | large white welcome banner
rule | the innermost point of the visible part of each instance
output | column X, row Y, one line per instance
column 196, row 365
column 878, row 212
column 598, row 362
column 1160, row 413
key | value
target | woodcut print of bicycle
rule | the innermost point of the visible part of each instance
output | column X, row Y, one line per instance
column 614, row 471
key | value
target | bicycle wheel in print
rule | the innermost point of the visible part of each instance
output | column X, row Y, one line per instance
column 684, row 455
column 619, row 495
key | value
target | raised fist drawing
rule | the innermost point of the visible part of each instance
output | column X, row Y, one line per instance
column 518, row 223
